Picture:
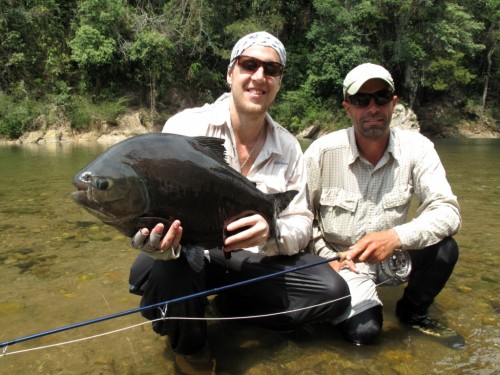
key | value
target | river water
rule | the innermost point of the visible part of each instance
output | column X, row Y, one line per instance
column 60, row 266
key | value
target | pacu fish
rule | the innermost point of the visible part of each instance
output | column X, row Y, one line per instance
column 158, row 178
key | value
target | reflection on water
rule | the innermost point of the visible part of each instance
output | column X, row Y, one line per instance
column 60, row 266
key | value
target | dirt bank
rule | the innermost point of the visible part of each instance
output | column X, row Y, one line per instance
column 135, row 123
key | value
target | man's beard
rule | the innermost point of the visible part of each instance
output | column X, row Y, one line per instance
column 247, row 106
column 374, row 132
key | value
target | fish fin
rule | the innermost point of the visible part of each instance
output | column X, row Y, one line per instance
column 215, row 147
column 281, row 201
column 195, row 256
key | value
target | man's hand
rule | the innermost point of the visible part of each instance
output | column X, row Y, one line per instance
column 374, row 247
column 337, row 265
column 153, row 243
column 251, row 231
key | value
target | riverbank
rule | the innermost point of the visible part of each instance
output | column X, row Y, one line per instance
column 127, row 125
column 136, row 122
column 475, row 129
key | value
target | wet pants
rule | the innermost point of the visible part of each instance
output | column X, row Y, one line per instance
column 431, row 269
column 160, row 281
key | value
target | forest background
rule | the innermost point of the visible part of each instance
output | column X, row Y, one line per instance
column 92, row 60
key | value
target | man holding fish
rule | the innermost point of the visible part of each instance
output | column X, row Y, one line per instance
column 271, row 157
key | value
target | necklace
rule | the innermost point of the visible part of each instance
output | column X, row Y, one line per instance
column 254, row 147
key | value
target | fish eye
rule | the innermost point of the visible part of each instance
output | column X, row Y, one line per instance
column 101, row 183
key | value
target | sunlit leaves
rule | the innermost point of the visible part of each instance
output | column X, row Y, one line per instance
column 92, row 49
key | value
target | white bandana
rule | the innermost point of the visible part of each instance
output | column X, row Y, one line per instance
column 261, row 38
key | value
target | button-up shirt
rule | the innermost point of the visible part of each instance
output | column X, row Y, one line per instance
column 350, row 197
column 279, row 167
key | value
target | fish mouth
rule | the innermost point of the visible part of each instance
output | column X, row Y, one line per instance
column 82, row 197
column 111, row 206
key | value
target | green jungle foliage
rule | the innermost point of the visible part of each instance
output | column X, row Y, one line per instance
column 94, row 58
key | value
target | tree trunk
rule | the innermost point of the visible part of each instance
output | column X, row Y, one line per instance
column 152, row 94
column 487, row 78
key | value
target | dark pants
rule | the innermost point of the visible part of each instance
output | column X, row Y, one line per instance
column 168, row 280
column 431, row 269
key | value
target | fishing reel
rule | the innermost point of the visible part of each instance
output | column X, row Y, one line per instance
column 397, row 266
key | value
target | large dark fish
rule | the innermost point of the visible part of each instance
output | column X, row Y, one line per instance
column 158, row 178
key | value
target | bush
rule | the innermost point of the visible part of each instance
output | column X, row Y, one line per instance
column 82, row 112
column 12, row 125
column 297, row 110
column 17, row 117
column 79, row 115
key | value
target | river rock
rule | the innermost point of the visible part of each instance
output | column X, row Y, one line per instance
column 60, row 132
column 127, row 125
column 404, row 118
column 130, row 124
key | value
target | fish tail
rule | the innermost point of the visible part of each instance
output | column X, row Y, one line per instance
column 281, row 201
column 195, row 256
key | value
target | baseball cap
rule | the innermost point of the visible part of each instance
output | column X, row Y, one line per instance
column 362, row 73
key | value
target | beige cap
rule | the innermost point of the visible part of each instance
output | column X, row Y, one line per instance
column 362, row 73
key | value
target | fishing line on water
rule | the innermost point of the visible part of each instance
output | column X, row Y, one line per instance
column 164, row 304
column 194, row 295
column 164, row 317
column 171, row 318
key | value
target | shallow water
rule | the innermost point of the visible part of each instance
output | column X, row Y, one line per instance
column 60, row 266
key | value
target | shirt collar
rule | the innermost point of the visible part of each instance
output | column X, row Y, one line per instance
column 220, row 116
column 353, row 147
column 273, row 141
column 392, row 147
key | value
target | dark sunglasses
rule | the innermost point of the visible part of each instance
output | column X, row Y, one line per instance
column 251, row 64
column 363, row 100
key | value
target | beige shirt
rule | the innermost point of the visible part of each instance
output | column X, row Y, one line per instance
column 350, row 197
column 279, row 167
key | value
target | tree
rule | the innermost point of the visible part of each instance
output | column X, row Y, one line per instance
column 152, row 51
column 32, row 46
column 175, row 53
column 487, row 11
column 100, row 31
column 407, row 36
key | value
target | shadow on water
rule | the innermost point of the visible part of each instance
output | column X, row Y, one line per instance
column 60, row 266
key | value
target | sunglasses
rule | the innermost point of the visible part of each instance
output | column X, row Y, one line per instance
column 251, row 64
column 362, row 100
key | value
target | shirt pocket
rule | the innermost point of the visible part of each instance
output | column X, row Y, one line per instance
column 396, row 203
column 271, row 183
column 338, row 214
column 336, row 197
